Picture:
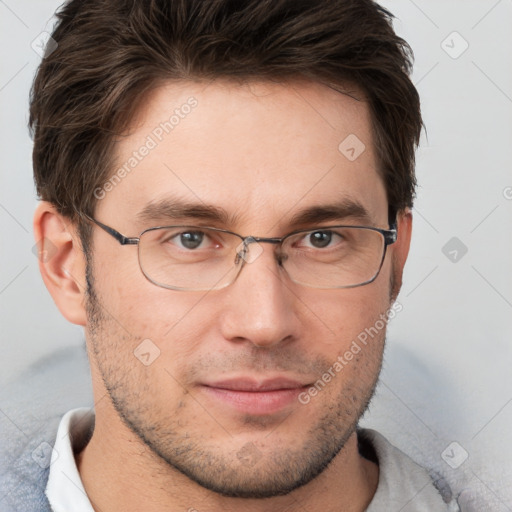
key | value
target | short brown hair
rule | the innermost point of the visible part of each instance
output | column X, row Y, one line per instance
column 111, row 52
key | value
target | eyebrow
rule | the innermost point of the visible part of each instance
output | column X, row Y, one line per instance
column 174, row 209
column 344, row 209
column 177, row 209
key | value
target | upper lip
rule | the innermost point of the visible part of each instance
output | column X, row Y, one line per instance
column 248, row 384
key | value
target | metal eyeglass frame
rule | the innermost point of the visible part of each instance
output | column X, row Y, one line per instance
column 390, row 237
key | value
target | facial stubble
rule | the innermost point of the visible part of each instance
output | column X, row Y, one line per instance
column 278, row 469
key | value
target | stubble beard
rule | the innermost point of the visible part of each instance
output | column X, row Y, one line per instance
column 279, row 470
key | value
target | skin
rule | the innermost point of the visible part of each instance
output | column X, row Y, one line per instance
column 262, row 152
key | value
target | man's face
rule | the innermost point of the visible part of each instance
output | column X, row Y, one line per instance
column 263, row 154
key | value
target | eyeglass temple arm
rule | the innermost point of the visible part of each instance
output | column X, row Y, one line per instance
column 123, row 240
column 390, row 236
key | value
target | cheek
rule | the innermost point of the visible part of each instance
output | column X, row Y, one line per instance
column 337, row 317
column 142, row 310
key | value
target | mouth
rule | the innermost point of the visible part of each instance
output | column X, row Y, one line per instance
column 253, row 396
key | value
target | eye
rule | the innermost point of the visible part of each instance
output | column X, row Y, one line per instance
column 321, row 239
column 191, row 240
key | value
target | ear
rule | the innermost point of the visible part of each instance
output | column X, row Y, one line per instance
column 400, row 249
column 61, row 261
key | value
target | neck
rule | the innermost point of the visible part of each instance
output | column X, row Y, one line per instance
column 120, row 472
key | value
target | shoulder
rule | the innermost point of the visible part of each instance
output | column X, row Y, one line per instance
column 30, row 411
column 26, row 455
column 402, row 482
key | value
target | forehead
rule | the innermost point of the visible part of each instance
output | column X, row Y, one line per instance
column 261, row 151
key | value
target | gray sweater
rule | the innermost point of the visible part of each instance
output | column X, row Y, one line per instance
column 30, row 412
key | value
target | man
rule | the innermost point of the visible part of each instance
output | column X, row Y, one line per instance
column 226, row 192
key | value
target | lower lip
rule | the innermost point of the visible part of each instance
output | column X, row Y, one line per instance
column 256, row 402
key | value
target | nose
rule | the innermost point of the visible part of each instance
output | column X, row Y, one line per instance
column 260, row 307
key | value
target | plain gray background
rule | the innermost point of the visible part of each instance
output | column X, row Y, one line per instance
column 447, row 379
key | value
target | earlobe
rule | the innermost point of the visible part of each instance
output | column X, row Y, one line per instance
column 61, row 261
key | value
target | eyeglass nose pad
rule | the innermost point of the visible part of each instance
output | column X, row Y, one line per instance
column 242, row 250
column 247, row 254
column 240, row 255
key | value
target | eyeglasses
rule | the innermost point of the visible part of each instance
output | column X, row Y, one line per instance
column 196, row 258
